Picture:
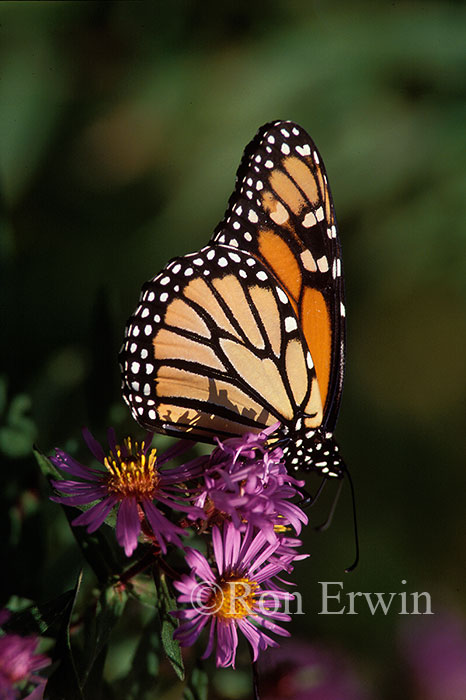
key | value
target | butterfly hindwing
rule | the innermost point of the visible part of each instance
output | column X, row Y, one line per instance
column 215, row 348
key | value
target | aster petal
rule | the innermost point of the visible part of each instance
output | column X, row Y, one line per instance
column 68, row 464
column 78, row 500
column 252, row 634
column 252, row 553
column 283, row 617
column 186, row 614
column 199, row 564
column 188, row 632
column 91, row 492
column 186, row 586
column 93, row 444
column 128, row 525
column 268, row 571
column 112, row 442
column 228, row 642
column 38, row 692
column 232, row 544
column 276, row 629
column 184, row 472
column 191, row 510
column 162, row 527
column 174, row 451
column 147, row 441
column 294, row 515
column 211, row 640
column 217, row 542
column 96, row 515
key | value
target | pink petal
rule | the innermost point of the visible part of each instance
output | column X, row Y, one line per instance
column 128, row 525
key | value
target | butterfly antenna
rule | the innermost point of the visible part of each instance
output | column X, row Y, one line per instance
column 355, row 525
column 328, row 522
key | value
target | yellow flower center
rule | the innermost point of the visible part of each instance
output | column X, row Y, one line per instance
column 135, row 474
column 235, row 598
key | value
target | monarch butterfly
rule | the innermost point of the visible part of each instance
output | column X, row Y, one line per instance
column 250, row 330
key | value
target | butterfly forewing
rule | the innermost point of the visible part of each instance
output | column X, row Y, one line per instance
column 282, row 212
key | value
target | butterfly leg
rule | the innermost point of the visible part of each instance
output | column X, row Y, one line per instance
column 308, row 501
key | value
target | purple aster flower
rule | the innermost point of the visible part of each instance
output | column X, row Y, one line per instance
column 304, row 671
column 133, row 480
column 434, row 648
column 246, row 480
column 18, row 664
column 233, row 594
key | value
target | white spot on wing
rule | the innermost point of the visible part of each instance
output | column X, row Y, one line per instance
column 281, row 295
column 322, row 264
column 308, row 260
column 304, row 150
column 309, row 220
column 290, row 324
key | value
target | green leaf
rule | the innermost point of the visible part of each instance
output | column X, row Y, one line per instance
column 101, row 552
column 48, row 469
column 37, row 619
column 142, row 588
column 64, row 681
column 145, row 664
column 3, row 394
column 110, row 607
column 167, row 603
column 18, row 433
column 198, row 686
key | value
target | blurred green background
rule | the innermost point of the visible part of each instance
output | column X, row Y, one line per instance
column 121, row 128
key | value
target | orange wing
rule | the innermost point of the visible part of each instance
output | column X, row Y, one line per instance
column 281, row 211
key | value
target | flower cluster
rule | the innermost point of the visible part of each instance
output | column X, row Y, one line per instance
column 240, row 498
column 19, row 662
